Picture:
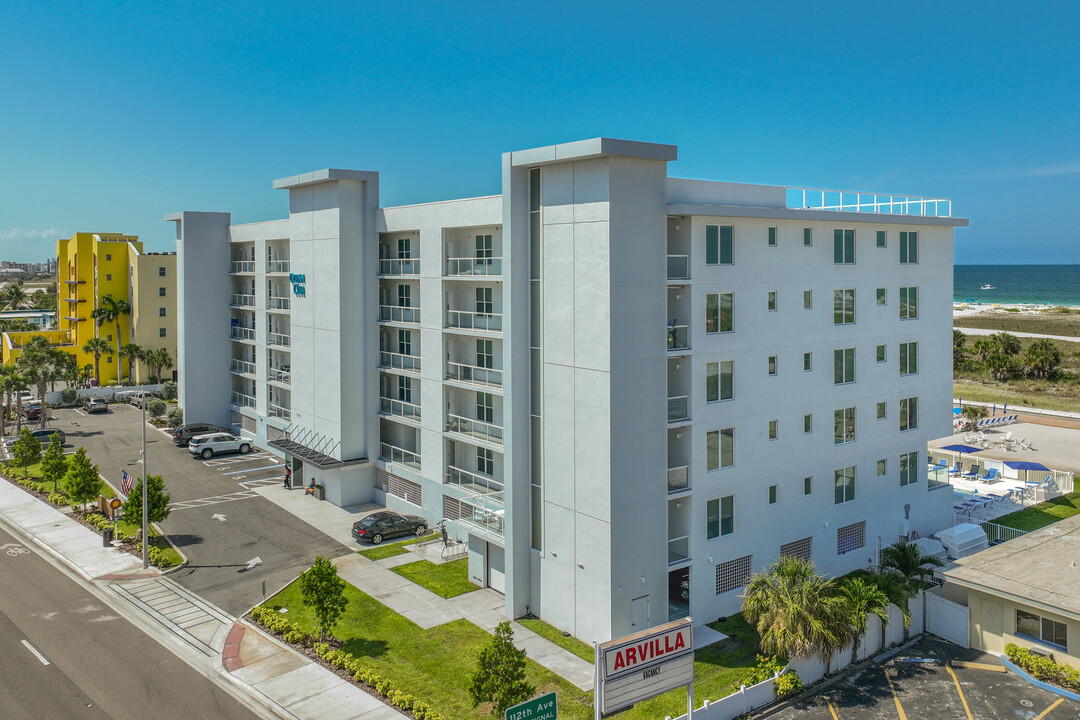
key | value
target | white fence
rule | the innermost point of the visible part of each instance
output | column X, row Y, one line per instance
column 738, row 703
column 946, row 619
column 109, row 393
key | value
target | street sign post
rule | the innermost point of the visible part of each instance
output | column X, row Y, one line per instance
column 544, row 707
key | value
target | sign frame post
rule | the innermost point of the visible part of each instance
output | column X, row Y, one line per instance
column 643, row 665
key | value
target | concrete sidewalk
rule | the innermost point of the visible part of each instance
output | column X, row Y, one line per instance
column 268, row 677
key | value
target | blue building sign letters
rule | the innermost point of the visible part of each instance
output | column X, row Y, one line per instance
column 299, row 285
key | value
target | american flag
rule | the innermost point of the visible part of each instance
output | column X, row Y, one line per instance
column 126, row 482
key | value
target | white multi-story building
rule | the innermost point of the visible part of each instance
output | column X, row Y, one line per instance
column 627, row 391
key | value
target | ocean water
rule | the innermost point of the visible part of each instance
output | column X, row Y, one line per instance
column 1027, row 284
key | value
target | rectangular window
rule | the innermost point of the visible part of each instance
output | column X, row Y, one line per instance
column 161, row 271
column 879, row 353
column 483, row 249
column 485, row 354
column 772, row 429
column 720, row 448
column 772, row 300
column 843, row 366
column 733, row 574
column 161, row 292
column 404, row 296
column 843, row 247
column 720, row 517
column 882, row 295
column 772, row 494
column 718, row 312
column 404, row 248
column 844, row 306
column 798, row 549
column 718, row 250
column 727, row 514
column 909, row 413
column 1042, row 629
column 909, row 358
column 881, row 238
column 909, row 303
column 807, row 299
column 404, row 342
column 772, row 237
column 404, row 389
column 718, row 381
column 881, row 411
column 162, row 332
column 485, row 461
column 108, row 257
column 807, row 361
column 484, row 303
column 162, row 312
column 844, row 485
column 485, row 407
column 772, row 365
column 850, row 537
column 881, row 467
column 844, row 426
column 909, row 468
column 807, row 237
column 807, row 485
column 108, row 277
column 808, row 423
column 909, row 248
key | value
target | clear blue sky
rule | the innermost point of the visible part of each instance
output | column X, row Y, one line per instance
column 113, row 114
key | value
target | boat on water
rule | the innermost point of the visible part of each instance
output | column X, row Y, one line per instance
column 988, row 286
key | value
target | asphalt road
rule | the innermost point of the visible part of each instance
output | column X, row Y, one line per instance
column 99, row 664
column 219, row 550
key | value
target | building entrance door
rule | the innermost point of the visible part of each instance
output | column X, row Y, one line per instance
column 496, row 568
column 639, row 613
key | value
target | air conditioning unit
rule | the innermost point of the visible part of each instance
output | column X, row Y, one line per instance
column 905, row 528
column 1041, row 652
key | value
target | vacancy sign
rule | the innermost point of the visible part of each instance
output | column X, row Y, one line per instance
column 646, row 664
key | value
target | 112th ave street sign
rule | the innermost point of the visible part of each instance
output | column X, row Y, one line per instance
column 545, row 707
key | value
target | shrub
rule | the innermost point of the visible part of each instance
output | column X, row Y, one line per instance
column 58, row 498
column 1043, row 668
column 175, row 417
column 788, row 685
column 69, row 396
column 155, row 408
column 168, row 390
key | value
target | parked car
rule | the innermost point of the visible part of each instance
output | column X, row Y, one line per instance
column 44, row 436
column 32, row 411
column 139, row 397
column 378, row 526
column 96, row 405
column 206, row 446
column 183, row 434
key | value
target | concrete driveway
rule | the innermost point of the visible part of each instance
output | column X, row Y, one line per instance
column 235, row 540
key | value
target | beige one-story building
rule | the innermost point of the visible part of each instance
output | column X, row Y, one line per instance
column 1025, row 591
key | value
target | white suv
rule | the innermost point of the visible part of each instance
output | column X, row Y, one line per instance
column 206, row 446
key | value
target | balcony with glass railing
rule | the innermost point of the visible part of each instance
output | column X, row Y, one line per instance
column 242, row 266
column 473, row 266
column 279, row 375
column 243, row 366
column 486, row 511
column 678, row 337
column 276, row 302
column 277, row 266
column 678, row 549
column 678, row 479
column 678, row 267
column 242, row 399
column 277, row 338
column 476, row 429
column 239, row 332
column 678, row 408
column 473, row 482
column 473, row 374
column 392, row 453
column 278, row 411
column 399, row 408
column 466, row 320
column 397, row 361
column 399, row 314
column 241, row 300
column 398, row 267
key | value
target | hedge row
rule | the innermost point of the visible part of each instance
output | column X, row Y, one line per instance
column 1043, row 668
column 292, row 633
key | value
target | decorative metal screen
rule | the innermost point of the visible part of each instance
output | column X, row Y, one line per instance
column 733, row 574
column 407, row 490
column 850, row 537
column 797, row 549
column 451, row 510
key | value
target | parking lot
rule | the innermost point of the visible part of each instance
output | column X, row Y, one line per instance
column 934, row 680
column 234, row 539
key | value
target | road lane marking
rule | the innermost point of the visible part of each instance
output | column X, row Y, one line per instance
column 896, row 698
column 978, row 666
column 956, row 681
column 832, row 709
column 1040, row 716
column 41, row 657
column 251, row 470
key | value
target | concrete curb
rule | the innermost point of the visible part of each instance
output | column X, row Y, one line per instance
column 1036, row 682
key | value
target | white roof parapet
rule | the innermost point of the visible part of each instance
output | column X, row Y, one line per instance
column 326, row 175
column 593, row 148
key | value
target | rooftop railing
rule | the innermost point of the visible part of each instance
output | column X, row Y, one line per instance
column 867, row 202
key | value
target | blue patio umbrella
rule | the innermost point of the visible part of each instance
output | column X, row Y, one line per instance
column 963, row 449
column 956, row 411
column 1024, row 465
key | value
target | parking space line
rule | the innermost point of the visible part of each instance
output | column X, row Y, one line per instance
column 896, row 698
column 832, row 708
column 956, row 681
column 978, row 666
column 268, row 467
column 1046, row 712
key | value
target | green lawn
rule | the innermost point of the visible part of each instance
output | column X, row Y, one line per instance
column 389, row 550
column 446, row 580
column 567, row 642
column 1043, row 514
column 18, row 473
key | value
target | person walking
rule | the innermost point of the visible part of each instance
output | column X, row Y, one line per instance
column 288, row 477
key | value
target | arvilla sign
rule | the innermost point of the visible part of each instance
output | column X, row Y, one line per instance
column 299, row 284
column 635, row 656
column 643, row 665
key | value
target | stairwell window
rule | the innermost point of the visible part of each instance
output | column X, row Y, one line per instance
column 772, row 494
column 718, row 245
column 909, row 303
column 844, row 306
column 772, row 300
column 879, row 353
column 772, row 237
column 772, row 365
column 807, row 361
column 909, row 248
column 882, row 467
column 844, row 247
column 807, row 299
column 909, row 358
column 772, row 429
column 909, row 413
column 807, row 237
column 808, row 423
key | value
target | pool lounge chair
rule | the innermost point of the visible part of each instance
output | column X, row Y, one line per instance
column 956, row 470
column 972, row 473
column 989, row 476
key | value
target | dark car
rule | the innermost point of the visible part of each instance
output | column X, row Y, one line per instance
column 44, row 436
column 183, row 434
column 32, row 411
column 386, row 524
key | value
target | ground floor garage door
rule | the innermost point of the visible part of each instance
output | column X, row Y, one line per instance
column 496, row 568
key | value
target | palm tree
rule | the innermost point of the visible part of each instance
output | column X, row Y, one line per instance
column 132, row 352
column 983, row 347
column 912, row 565
column 61, row 362
column 796, row 610
column 111, row 310
column 1005, row 343
column 18, row 385
column 895, row 589
column 1041, row 358
column 973, row 413
column 862, row 598
column 36, row 364
column 97, row 346
column 14, row 296
column 1001, row 366
column 158, row 359
column 7, row 385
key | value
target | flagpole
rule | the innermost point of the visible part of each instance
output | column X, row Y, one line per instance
column 146, row 479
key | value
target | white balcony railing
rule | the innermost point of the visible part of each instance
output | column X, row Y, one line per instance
column 399, row 266
column 279, row 376
column 277, row 266
column 242, row 333
column 866, row 202
column 239, row 398
column 472, row 481
column 399, row 314
column 275, row 338
column 678, row 408
column 397, row 361
column 678, row 549
column 678, row 479
column 392, row 453
column 277, row 411
column 485, row 511
column 474, row 428
column 243, row 300
column 243, row 266
column 275, row 302
column 399, row 408
column 473, row 320
column 243, row 366
column 474, row 266
column 678, row 267
column 473, row 374
column 678, row 337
